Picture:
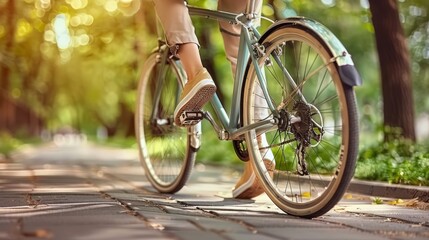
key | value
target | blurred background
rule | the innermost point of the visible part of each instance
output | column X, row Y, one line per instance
column 71, row 67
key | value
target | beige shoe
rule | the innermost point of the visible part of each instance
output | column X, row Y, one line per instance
column 249, row 186
column 197, row 92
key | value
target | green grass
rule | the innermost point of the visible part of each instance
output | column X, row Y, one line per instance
column 399, row 161
column 8, row 144
column 212, row 151
column 215, row 151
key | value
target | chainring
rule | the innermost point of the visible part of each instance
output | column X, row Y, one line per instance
column 240, row 148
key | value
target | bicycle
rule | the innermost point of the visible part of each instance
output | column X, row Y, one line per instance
column 305, row 77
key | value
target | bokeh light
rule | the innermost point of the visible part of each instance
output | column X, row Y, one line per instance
column 62, row 34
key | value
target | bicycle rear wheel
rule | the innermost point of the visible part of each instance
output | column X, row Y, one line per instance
column 166, row 151
column 315, row 138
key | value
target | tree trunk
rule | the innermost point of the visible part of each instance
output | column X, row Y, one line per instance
column 16, row 117
column 7, row 107
column 398, row 107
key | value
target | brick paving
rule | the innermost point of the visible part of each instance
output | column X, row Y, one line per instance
column 88, row 192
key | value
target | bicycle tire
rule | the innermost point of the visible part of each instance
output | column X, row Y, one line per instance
column 328, row 106
column 165, row 150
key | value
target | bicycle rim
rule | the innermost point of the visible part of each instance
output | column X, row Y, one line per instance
column 165, row 151
column 314, row 156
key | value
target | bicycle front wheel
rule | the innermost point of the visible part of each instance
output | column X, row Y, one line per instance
column 314, row 137
column 166, row 151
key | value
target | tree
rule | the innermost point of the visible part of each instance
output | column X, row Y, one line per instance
column 396, row 81
column 7, row 108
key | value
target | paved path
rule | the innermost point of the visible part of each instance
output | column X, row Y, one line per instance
column 87, row 192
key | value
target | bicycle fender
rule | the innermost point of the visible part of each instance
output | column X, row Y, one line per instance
column 348, row 73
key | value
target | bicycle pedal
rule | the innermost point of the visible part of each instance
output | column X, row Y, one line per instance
column 189, row 118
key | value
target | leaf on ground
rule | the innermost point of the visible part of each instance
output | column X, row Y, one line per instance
column 31, row 201
column 39, row 233
column 348, row 196
column 407, row 203
column 306, row 195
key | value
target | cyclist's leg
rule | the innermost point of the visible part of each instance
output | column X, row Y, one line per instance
column 231, row 32
column 247, row 186
column 181, row 37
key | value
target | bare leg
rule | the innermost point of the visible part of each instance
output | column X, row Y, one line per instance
column 191, row 60
column 199, row 88
column 180, row 32
column 248, row 186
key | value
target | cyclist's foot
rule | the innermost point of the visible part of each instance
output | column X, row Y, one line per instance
column 197, row 92
column 249, row 186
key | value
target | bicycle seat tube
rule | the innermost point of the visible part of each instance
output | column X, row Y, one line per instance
column 230, row 121
column 250, row 8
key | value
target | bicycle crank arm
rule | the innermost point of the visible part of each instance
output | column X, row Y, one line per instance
column 221, row 133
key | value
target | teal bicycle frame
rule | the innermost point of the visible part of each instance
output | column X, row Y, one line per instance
column 249, row 48
column 248, row 43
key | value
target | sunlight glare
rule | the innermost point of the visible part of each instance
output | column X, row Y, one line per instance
column 329, row 2
column 49, row 36
column 24, row 28
column 81, row 19
column 129, row 7
column 111, row 5
column 81, row 40
column 43, row 4
column 62, row 32
column 77, row 4
column 364, row 4
column 426, row 52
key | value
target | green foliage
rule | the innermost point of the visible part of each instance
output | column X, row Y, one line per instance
column 398, row 161
column 8, row 144
column 377, row 200
column 92, row 81
column 215, row 151
column 81, row 72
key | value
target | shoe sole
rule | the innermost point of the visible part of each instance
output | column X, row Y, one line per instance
column 195, row 99
column 253, row 186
